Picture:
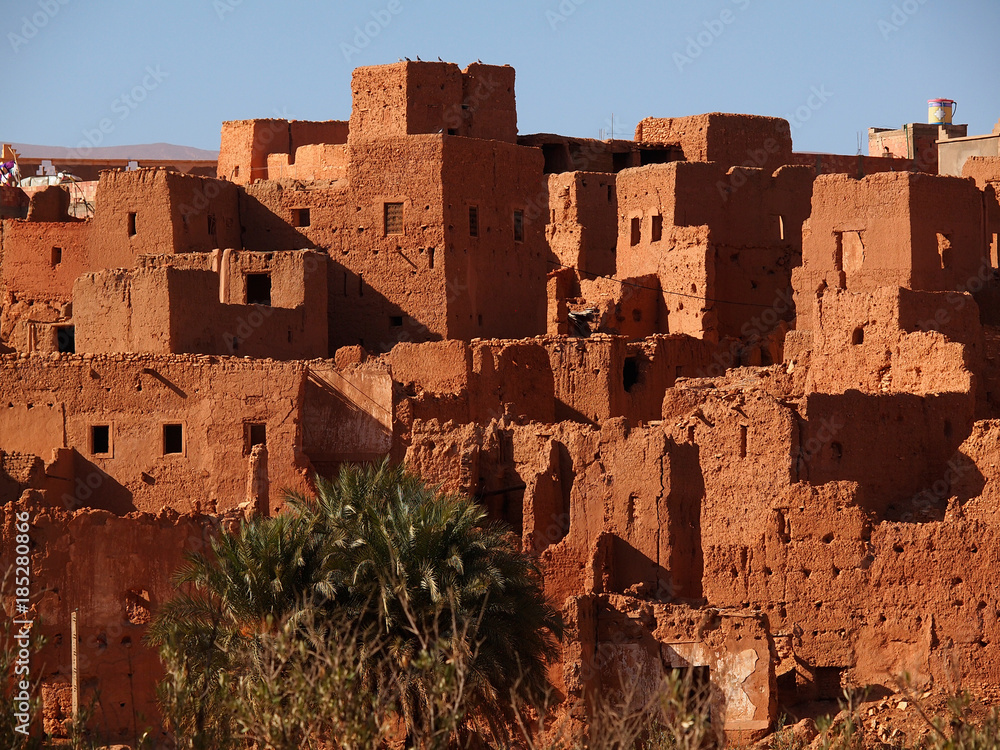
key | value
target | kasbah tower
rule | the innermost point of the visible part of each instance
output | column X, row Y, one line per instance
column 741, row 402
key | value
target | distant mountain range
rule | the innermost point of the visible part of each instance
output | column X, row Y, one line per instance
column 164, row 151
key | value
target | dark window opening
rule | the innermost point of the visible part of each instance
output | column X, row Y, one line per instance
column 173, row 439
column 66, row 340
column 300, row 217
column 236, row 171
column 611, row 193
column 396, row 321
column 473, row 221
column 361, row 285
column 56, row 256
column 828, row 683
column 100, row 439
column 636, row 231
column 259, row 289
column 519, row 226
column 656, row 156
column 657, row 228
column 256, row 434
column 838, row 252
column 393, row 218
column 211, row 224
column 557, row 158
column 744, row 430
column 858, row 337
column 131, row 223
column 630, row 373
column 430, row 257
column 621, row 161
column 452, row 131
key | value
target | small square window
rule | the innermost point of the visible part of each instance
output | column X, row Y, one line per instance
column 259, row 289
column 56, row 256
column 394, row 218
column 255, row 434
column 132, row 223
column 396, row 321
column 173, row 439
column 519, row 226
column 300, row 217
column 657, row 228
column 211, row 224
column 66, row 340
column 636, row 231
column 473, row 221
column 100, row 440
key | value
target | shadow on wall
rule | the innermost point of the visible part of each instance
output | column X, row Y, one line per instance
column 682, row 551
column 265, row 231
column 95, row 489
column 901, row 449
column 333, row 419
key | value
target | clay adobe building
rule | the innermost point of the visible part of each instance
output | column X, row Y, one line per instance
column 739, row 401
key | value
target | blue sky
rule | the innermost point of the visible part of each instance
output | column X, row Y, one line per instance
column 118, row 72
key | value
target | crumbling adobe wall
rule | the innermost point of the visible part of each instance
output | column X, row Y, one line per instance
column 723, row 243
column 915, row 231
column 102, row 566
column 134, row 396
column 583, row 222
column 51, row 203
column 730, row 139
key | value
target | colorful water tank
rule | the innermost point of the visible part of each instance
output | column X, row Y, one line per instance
column 941, row 111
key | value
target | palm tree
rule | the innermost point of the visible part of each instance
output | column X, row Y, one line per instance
column 439, row 601
column 433, row 576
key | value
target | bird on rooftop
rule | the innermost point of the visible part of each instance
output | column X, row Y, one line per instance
column 439, row 59
column 418, row 59
column 408, row 60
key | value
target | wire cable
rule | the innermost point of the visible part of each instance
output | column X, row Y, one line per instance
column 660, row 291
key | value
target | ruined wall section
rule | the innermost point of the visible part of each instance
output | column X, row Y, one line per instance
column 137, row 464
column 918, row 231
column 164, row 309
column 723, row 243
column 730, row 139
column 583, row 222
column 102, row 565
